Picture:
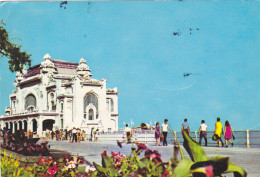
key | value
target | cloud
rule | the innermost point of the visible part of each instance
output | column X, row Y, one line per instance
column 177, row 89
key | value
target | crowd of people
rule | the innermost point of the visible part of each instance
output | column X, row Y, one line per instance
column 220, row 130
column 73, row 135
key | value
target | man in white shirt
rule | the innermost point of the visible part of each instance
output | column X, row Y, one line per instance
column 128, row 133
column 203, row 132
column 74, row 135
column 165, row 128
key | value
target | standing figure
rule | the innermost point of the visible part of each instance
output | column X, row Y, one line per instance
column 228, row 132
column 92, row 134
column 219, row 131
column 185, row 127
column 128, row 133
column 203, row 132
column 70, row 136
column 96, row 134
column 78, row 135
column 52, row 134
column 157, row 134
column 83, row 135
column 165, row 129
column 74, row 135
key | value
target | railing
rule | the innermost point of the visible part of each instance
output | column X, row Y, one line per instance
column 242, row 138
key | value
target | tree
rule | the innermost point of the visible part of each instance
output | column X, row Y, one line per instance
column 12, row 51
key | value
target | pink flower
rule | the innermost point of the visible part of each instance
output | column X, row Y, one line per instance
column 42, row 160
column 209, row 171
column 154, row 155
column 52, row 170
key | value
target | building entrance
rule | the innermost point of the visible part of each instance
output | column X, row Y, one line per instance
column 48, row 124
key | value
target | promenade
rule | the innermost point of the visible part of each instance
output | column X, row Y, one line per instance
column 248, row 158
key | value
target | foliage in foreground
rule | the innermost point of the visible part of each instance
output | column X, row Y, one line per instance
column 152, row 165
column 11, row 167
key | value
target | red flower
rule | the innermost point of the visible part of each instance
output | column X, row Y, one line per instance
column 52, row 170
column 42, row 160
column 165, row 174
column 141, row 146
column 155, row 156
column 104, row 154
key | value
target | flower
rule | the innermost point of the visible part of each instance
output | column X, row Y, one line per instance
column 52, row 170
column 166, row 174
column 71, row 164
column 90, row 169
column 104, row 154
column 153, row 155
column 140, row 148
column 42, row 160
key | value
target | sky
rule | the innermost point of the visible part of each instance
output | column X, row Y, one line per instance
column 145, row 48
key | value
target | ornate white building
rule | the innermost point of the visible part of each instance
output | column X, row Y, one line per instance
column 60, row 94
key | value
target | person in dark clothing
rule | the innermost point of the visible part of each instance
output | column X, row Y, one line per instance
column 52, row 134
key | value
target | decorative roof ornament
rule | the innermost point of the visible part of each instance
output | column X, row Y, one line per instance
column 47, row 57
column 83, row 69
column 19, row 75
column 47, row 64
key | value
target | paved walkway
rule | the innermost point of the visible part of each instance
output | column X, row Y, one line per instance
column 248, row 158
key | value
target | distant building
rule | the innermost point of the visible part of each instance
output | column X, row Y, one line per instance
column 58, row 94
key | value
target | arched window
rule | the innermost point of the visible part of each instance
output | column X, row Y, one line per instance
column 90, row 98
column 90, row 114
column 30, row 102
column 51, row 101
column 90, row 106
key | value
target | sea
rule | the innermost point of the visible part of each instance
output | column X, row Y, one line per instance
column 239, row 141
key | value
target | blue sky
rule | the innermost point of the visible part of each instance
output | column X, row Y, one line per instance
column 134, row 46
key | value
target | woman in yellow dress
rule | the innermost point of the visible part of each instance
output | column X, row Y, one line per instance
column 219, row 131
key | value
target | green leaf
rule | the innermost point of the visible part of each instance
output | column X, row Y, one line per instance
column 112, row 171
column 100, row 168
column 106, row 161
column 194, row 150
column 183, row 168
column 238, row 171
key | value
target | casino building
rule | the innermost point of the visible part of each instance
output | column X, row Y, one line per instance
column 57, row 94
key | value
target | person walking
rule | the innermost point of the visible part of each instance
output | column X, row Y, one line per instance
column 219, row 131
column 165, row 129
column 157, row 134
column 228, row 132
column 203, row 132
column 185, row 127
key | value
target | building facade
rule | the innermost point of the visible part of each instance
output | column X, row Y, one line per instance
column 58, row 94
